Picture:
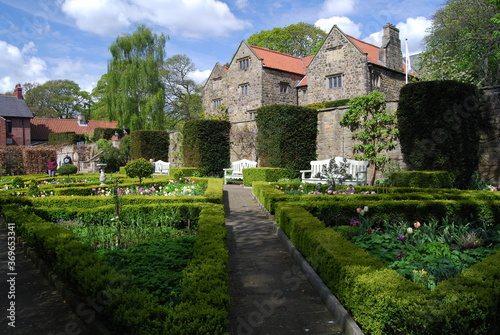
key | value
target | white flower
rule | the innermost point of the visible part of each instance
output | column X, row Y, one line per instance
column 409, row 230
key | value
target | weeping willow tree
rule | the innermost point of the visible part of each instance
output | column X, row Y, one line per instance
column 135, row 93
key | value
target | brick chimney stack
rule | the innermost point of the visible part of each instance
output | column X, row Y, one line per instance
column 390, row 51
column 18, row 92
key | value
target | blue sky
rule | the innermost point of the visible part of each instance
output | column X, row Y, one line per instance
column 44, row 40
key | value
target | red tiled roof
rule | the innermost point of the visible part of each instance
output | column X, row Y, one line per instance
column 370, row 49
column 280, row 61
column 41, row 127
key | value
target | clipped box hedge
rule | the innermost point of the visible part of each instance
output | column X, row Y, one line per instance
column 129, row 310
column 430, row 179
column 383, row 302
column 265, row 174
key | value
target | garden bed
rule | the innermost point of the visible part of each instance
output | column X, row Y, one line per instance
column 151, row 271
column 381, row 300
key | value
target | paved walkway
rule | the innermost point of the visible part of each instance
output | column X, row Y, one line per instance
column 39, row 308
column 270, row 293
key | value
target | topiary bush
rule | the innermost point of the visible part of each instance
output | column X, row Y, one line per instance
column 139, row 168
column 67, row 169
column 286, row 136
column 206, row 145
column 439, row 128
column 149, row 144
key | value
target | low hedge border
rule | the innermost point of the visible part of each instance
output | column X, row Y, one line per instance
column 381, row 301
column 213, row 193
column 269, row 194
column 204, row 298
column 432, row 179
column 265, row 174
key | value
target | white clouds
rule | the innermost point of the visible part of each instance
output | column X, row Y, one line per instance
column 17, row 67
column 189, row 18
column 200, row 76
column 414, row 29
column 337, row 7
column 344, row 23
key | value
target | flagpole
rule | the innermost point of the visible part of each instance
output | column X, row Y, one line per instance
column 407, row 67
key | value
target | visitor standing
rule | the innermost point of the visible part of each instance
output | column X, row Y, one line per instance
column 52, row 166
column 67, row 160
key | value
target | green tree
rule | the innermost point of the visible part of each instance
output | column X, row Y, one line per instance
column 139, row 168
column 183, row 95
column 98, row 109
column 463, row 43
column 57, row 99
column 373, row 126
column 135, row 93
column 300, row 40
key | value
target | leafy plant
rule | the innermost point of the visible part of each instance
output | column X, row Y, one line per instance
column 373, row 126
column 17, row 183
column 335, row 172
column 67, row 169
column 139, row 168
column 33, row 189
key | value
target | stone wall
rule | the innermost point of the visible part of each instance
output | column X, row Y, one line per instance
column 489, row 145
column 337, row 56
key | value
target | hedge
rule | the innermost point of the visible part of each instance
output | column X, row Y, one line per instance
column 204, row 299
column 431, row 179
column 265, row 174
column 381, row 301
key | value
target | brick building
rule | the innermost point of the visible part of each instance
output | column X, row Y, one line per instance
column 15, row 119
column 344, row 67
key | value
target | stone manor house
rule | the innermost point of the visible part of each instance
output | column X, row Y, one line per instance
column 344, row 67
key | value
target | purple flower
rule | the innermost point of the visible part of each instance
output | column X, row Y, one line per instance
column 355, row 223
column 402, row 238
column 400, row 255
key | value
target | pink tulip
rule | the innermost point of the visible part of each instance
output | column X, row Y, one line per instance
column 417, row 224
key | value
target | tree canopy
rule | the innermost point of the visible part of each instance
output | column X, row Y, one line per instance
column 60, row 98
column 183, row 95
column 300, row 40
column 135, row 93
column 463, row 43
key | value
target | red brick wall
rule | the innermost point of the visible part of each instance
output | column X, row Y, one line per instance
column 21, row 131
column 3, row 134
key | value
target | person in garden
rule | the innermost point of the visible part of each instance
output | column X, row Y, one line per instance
column 52, row 166
column 67, row 160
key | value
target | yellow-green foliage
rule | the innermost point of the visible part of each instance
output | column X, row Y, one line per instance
column 204, row 295
column 383, row 302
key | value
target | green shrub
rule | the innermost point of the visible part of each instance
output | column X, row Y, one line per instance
column 439, row 128
column 423, row 179
column 178, row 173
column 17, row 183
column 65, row 138
column 139, row 168
column 286, row 136
column 67, row 169
column 206, row 145
column 265, row 174
column 149, row 144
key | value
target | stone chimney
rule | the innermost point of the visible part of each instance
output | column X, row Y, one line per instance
column 390, row 52
column 18, row 92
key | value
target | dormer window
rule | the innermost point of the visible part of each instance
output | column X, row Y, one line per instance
column 244, row 63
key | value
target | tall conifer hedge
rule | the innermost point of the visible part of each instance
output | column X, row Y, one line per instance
column 206, row 145
column 439, row 128
column 286, row 136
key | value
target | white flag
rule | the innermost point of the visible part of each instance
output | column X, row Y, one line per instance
column 408, row 64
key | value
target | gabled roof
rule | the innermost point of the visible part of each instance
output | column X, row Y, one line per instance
column 367, row 48
column 280, row 61
column 42, row 127
column 11, row 106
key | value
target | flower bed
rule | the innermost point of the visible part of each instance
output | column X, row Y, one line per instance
column 167, row 294
column 381, row 300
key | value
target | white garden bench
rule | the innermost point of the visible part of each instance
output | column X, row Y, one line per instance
column 357, row 169
column 236, row 169
column 161, row 167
